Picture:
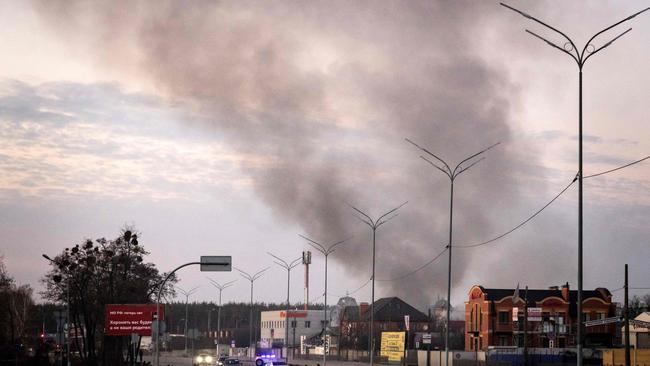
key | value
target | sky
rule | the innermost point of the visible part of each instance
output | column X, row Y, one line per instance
column 228, row 128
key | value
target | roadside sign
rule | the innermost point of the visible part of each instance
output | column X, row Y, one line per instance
column 534, row 314
column 604, row 321
column 426, row 338
column 123, row 320
column 216, row 263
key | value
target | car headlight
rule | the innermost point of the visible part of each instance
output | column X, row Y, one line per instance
column 208, row 358
column 199, row 358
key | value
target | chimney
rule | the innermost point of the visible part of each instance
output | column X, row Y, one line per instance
column 565, row 291
column 363, row 308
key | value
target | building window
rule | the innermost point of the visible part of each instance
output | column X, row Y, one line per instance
column 307, row 324
column 471, row 319
column 294, row 323
column 585, row 317
column 600, row 316
column 504, row 317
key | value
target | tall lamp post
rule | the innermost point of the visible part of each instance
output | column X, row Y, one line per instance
column 252, row 278
column 187, row 295
column 452, row 174
column 326, row 251
column 288, row 266
column 580, row 57
column 67, row 287
column 374, row 225
column 220, row 287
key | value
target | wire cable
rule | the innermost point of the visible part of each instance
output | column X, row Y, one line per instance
column 415, row 270
column 516, row 227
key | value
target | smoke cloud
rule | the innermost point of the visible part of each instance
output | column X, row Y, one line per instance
column 324, row 93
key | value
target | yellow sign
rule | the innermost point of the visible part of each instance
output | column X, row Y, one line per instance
column 392, row 345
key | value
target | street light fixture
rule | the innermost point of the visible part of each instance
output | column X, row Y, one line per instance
column 452, row 174
column 374, row 225
column 288, row 266
column 220, row 287
column 326, row 251
column 580, row 57
column 252, row 278
column 67, row 286
column 187, row 297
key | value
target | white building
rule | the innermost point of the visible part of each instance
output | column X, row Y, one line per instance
column 301, row 322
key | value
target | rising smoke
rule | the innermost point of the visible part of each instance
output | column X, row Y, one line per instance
column 324, row 93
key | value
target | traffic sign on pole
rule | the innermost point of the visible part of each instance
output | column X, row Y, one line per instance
column 214, row 263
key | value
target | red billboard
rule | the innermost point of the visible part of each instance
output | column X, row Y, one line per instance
column 127, row 319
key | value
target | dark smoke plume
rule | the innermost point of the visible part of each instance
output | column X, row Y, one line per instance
column 324, row 93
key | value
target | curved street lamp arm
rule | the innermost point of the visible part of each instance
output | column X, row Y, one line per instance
column 473, row 156
column 553, row 45
column 362, row 220
column 544, row 24
column 295, row 262
column 391, row 211
column 331, row 247
column 610, row 27
column 435, row 166
column 244, row 274
column 603, row 46
column 469, row 166
column 318, row 246
column 371, row 223
column 430, row 153
column 260, row 273
column 386, row 220
column 283, row 264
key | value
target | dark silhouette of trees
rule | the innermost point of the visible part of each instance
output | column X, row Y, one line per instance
column 97, row 273
column 15, row 304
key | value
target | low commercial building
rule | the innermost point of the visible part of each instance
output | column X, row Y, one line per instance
column 301, row 323
column 493, row 317
column 639, row 331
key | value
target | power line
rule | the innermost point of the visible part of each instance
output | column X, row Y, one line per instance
column 417, row 269
column 519, row 225
column 522, row 223
column 620, row 167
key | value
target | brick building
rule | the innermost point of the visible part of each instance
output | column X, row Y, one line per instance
column 388, row 316
column 491, row 318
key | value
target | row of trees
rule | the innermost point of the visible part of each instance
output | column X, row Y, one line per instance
column 94, row 273
column 15, row 304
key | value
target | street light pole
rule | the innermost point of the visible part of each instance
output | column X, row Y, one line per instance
column 187, row 297
column 67, row 290
column 326, row 251
column 288, row 266
column 580, row 57
column 374, row 225
column 220, row 287
column 252, row 279
column 452, row 174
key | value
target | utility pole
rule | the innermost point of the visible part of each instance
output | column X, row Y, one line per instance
column 580, row 57
column 251, row 278
column 627, row 322
column 326, row 251
column 374, row 225
column 526, row 327
column 220, row 287
column 288, row 266
column 452, row 174
column 187, row 297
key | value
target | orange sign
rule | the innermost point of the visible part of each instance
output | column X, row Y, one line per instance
column 294, row 314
